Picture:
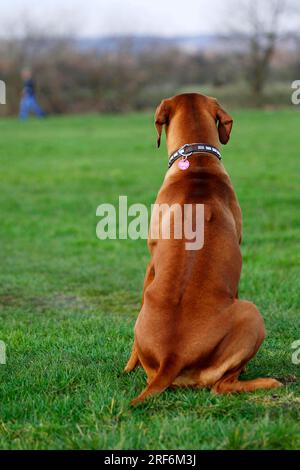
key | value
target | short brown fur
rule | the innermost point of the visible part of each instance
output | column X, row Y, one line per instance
column 192, row 329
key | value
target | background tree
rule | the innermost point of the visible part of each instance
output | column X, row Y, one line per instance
column 256, row 28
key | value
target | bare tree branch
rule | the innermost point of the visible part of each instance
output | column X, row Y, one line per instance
column 257, row 26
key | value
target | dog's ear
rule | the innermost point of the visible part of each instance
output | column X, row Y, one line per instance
column 225, row 125
column 161, row 118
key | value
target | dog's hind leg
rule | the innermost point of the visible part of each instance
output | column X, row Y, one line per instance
column 238, row 347
column 231, row 384
column 133, row 361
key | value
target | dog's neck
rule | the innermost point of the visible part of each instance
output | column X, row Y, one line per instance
column 182, row 131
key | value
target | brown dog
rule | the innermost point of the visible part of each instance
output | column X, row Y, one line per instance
column 192, row 330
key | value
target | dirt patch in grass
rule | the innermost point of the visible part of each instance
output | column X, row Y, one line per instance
column 42, row 303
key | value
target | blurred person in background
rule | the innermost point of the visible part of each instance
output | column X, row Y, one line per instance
column 29, row 101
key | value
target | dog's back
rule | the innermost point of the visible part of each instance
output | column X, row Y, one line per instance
column 190, row 308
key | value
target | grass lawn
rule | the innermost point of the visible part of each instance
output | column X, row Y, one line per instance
column 68, row 301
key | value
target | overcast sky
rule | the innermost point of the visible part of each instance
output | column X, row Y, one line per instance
column 153, row 17
column 103, row 17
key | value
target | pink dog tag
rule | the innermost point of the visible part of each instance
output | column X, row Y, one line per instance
column 183, row 164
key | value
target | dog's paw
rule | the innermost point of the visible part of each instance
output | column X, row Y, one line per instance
column 273, row 383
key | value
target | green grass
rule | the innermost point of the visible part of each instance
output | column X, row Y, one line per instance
column 68, row 301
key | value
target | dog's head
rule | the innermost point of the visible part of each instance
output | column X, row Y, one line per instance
column 195, row 111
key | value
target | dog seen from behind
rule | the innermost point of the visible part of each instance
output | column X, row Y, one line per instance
column 192, row 329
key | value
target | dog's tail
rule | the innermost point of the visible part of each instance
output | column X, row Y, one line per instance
column 167, row 372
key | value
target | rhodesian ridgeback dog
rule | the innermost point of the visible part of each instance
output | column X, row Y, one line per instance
column 192, row 329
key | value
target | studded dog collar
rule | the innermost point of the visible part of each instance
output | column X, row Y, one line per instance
column 189, row 149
